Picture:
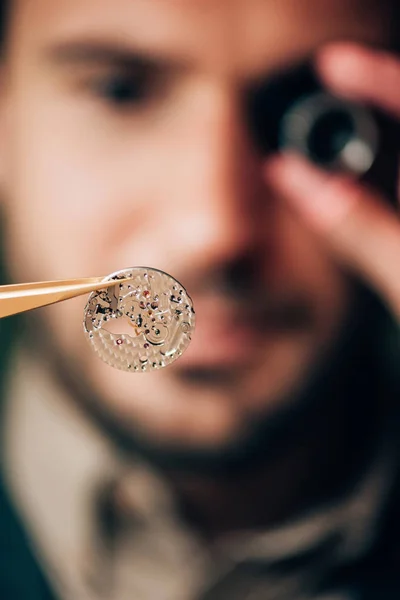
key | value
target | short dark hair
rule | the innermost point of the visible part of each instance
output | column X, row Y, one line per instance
column 4, row 6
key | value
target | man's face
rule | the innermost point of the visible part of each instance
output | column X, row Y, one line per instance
column 125, row 142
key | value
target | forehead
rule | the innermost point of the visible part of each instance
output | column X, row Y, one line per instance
column 242, row 36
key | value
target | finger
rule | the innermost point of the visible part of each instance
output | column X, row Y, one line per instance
column 355, row 223
column 360, row 73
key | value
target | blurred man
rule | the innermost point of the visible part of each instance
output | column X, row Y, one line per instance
column 263, row 464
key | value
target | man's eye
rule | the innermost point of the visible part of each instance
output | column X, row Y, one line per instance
column 122, row 90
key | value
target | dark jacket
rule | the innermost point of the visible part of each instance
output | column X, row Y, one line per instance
column 20, row 575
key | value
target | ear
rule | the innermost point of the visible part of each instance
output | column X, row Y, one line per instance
column 4, row 128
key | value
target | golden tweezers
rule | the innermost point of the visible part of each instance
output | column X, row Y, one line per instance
column 20, row 298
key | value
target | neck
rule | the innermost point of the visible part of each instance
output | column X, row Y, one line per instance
column 251, row 500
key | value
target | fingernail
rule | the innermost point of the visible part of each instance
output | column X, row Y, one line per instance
column 322, row 198
column 344, row 71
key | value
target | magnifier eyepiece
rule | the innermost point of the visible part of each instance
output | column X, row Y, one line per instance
column 331, row 132
column 294, row 112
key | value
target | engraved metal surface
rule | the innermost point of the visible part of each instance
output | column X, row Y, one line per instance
column 153, row 307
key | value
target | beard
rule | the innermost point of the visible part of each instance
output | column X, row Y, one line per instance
column 325, row 396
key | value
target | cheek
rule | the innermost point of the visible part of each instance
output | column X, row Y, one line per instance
column 62, row 192
column 77, row 186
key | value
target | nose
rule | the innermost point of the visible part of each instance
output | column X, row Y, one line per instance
column 217, row 198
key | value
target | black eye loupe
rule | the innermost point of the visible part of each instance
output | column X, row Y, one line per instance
column 331, row 132
column 294, row 112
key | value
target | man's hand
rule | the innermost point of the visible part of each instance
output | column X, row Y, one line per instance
column 359, row 227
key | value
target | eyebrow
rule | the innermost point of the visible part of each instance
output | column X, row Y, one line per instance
column 99, row 52
column 93, row 52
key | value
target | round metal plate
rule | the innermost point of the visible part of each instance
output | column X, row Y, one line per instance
column 142, row 324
